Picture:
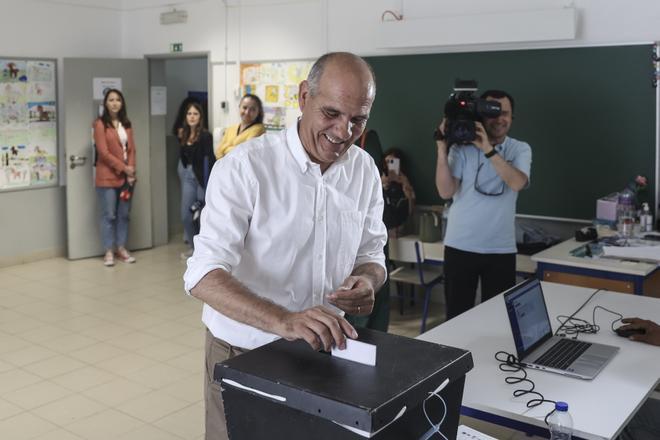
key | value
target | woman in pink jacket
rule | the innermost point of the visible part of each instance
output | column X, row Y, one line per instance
column 115, row 175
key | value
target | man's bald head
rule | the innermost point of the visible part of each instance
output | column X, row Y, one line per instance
column 342, row 60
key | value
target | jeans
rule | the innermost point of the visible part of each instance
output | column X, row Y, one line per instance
column 114, row 217
column 191, row 192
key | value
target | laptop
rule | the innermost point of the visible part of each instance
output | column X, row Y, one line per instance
column 536, row 346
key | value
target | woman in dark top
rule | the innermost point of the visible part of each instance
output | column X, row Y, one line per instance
column 196, row 159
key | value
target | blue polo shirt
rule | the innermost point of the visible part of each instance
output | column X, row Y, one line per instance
column 478, row 222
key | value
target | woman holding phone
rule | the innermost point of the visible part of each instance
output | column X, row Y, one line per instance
column 398, row 193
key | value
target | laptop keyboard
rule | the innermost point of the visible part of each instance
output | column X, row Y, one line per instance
column 563, row 353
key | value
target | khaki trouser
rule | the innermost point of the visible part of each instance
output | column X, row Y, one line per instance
column 216, row 351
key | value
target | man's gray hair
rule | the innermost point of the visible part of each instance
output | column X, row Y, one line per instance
column 314, row 77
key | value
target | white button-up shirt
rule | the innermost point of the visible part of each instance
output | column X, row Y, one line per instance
column 286, row 231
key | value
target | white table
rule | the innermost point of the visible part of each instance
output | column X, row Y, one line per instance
column 556, row 264
column 434, row 253
column 600, row 407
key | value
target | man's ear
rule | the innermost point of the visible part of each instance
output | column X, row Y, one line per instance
column 303, row 94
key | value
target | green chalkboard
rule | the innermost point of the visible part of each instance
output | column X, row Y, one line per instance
column 588, row 114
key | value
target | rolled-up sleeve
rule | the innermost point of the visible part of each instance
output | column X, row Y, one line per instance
column 230, row 199
column 374, row 233
column 523, row 160
column 456, row 161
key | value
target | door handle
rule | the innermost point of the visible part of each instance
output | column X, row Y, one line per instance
column 77, row 161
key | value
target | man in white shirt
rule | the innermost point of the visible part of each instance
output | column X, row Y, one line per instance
column 292, row 233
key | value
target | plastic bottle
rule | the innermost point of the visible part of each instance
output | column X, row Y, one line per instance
column 561, row 422
column 646, row 219
column 625, row 213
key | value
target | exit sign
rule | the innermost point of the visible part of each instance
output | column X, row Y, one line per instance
column 176, row 47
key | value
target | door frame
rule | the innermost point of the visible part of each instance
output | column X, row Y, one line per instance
column 159, row 218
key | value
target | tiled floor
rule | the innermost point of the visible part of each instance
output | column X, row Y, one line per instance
column 89, row 352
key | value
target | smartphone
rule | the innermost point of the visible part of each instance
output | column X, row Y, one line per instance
column 393, row 165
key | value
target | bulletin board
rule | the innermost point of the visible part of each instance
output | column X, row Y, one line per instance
column 276, row 83
column 28, row 123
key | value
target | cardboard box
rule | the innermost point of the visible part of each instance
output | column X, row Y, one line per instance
column 606, row 208
column 286, row 390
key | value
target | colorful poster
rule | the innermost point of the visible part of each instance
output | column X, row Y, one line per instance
column 274, row 118
column 41, row 112
column 277, row 84
column 28, row 128
column 41, row 91
column 41, row 71
column 272, row 94
column 291, row 96
column 13, row 105
column 12, row 71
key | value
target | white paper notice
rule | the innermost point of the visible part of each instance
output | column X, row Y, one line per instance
column 101, row 85
column 641, row 253
column 357, row 351
column 158, row 100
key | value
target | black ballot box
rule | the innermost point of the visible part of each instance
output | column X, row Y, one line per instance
column 286, row 390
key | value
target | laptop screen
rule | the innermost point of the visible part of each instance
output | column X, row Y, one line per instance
column 528, row 316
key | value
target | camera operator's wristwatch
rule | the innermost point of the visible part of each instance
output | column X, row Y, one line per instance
column 491, row 153
column 438, row 135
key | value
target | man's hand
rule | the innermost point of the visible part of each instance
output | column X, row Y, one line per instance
column 651, row 333
column 130, row 171
column 482, row 141
column 355, row 296
column 319, row 327
column 442, row 145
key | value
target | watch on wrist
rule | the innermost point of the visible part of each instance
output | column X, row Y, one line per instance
column 438, row 135
column 491, row 153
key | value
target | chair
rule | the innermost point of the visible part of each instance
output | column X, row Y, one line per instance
column 410, row 251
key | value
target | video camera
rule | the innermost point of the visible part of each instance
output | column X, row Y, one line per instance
column 462, row 110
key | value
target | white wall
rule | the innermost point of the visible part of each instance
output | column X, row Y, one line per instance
column 258, row 30
column 33, row 222
column 261, row 30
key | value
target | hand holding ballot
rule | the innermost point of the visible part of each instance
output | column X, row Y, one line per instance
column 319, row 327
column 355, row 296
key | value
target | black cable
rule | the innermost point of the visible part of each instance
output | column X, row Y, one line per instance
column 574, row 326
column 510, row 364
column 563, row 324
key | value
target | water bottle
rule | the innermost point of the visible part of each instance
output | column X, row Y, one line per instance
column 646, row 219
column 625, row 213
column 561, row 422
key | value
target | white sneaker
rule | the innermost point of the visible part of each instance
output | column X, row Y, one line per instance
column 187, row 254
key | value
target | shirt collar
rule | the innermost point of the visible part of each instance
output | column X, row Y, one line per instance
column 300, row 154
column 297, row 150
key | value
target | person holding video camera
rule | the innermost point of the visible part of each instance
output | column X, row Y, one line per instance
column 482, row 169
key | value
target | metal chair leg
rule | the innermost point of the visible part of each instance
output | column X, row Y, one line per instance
column 425, row 313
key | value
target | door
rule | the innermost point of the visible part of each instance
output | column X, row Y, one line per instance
column 80, row 109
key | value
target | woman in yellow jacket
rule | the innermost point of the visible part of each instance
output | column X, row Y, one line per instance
column 251, row 125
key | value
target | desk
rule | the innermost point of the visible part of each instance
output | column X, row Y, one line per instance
column 434, row 253
column 600, row 407
column 556, row 264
